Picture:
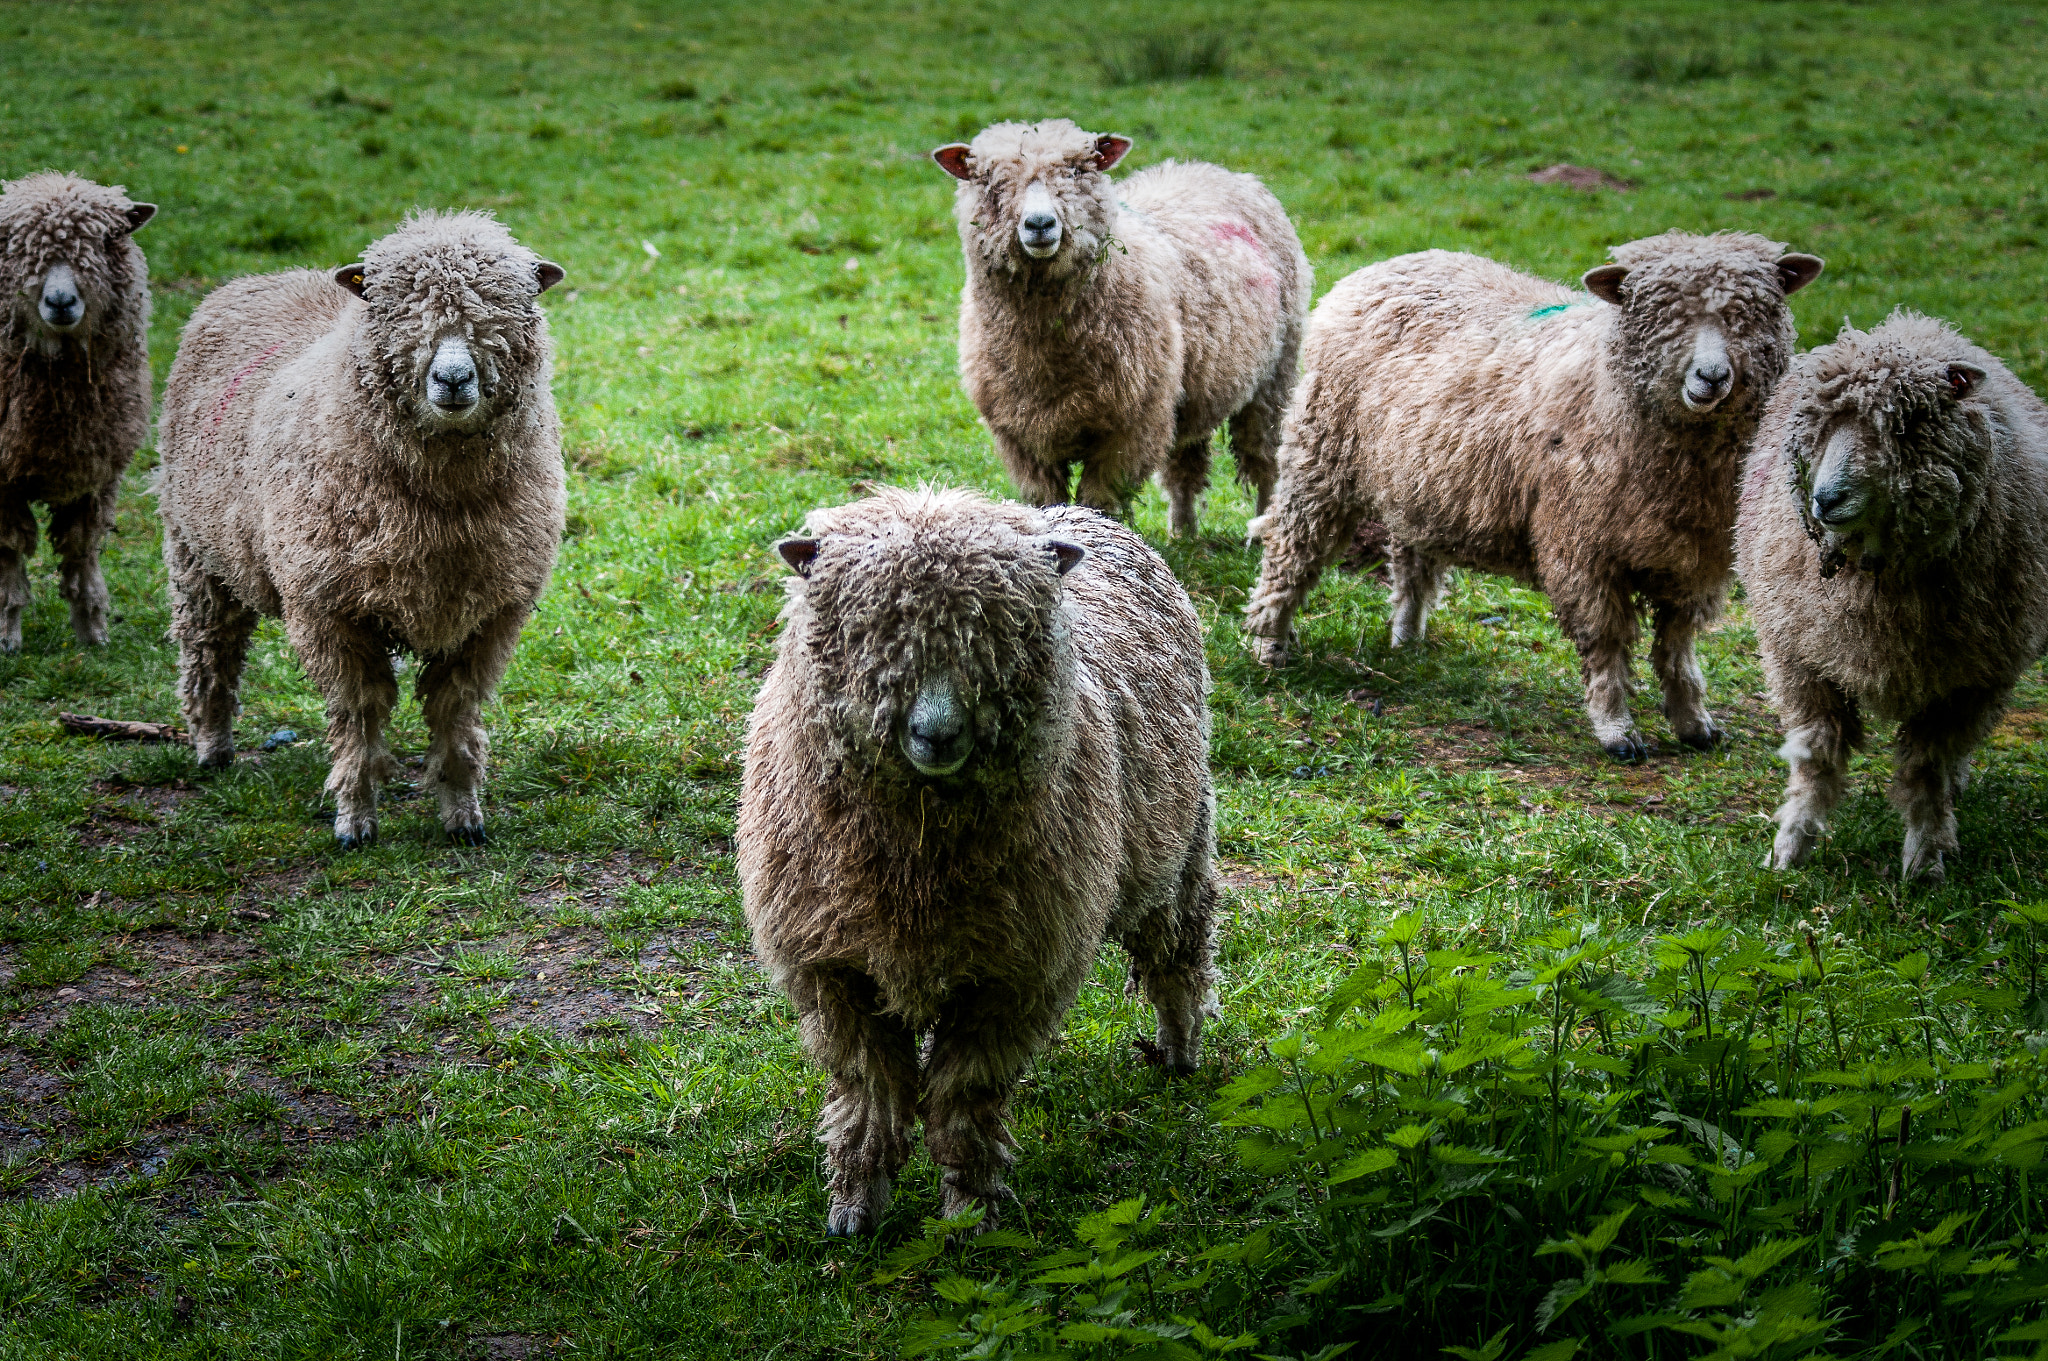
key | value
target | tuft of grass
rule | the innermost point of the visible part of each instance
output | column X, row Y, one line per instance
column 1168, row 55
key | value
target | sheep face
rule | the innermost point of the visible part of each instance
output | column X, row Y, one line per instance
column 1704, row 325
column 451, row 311
column 67, row 258
column 932, row 643
column 1887, row 453
column 1035, row 198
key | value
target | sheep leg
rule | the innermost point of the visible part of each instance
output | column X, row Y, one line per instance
column 1302, row 535
column 77, row 530
column 353, row 673
column 1822, row 726
column 1676, row 624
column 1418, row 586
column 1039, row 482
column 452, row 690
column 872, row 1103
column 1255, row 435
column 212, row 631
column 17, row 543
column 1186, row 477
column 981, row 1043
column 1600, row 619
column 1171, row 964
column 1931, row 766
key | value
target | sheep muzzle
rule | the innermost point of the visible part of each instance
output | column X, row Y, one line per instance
column 61, row 306
column 1710, row 377
column 937, row 737
column 1039, row 228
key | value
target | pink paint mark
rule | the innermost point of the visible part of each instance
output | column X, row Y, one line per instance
column 1237, row 231
column 220, row 410
column 1264, row 281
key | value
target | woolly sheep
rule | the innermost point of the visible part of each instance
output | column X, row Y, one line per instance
column 1117, row 325
column 1587, row 445
column 373, row 456
column 1893, row 545
column 983, row 747
column 74, row 382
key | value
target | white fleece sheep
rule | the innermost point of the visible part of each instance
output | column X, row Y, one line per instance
column 1893, row 545
column 1586, row 444
column 373, row 456
column 1115, row 326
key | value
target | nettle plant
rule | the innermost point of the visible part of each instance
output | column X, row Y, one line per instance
column 1593, row 1143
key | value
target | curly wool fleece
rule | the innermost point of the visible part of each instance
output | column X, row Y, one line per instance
column 894, row 906
column 73, row 408
column 1174, row 304
column 303, row 477
column 1501, row 422
column 1939, row 634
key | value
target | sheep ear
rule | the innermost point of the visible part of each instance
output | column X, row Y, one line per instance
column 1069, row 555
column 1604, row 283
column 549, row 274
column 1109, row 149
column 1964, row 379
column 139, row 213
column 1796, row 271
column 351, row 278
column 952, row 159
column 798, row 553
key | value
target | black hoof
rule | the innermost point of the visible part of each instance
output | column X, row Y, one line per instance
column 467, row 836
column 356, row 843
column 218, row 761
column 1629, row 750
column 1707, row 743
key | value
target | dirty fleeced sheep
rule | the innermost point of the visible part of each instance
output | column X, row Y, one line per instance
column 983, row 747
column 1893, row 545
column 1115, row 326
column 1587, row 445
column 372, row 455
column 74, row 382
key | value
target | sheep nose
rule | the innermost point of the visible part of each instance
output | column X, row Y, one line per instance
column 1713, row 373
column 936, row 738
column 454, row 373
column 1827, row 501
column 452, row 377
column 60, row 306
column 1040, row 224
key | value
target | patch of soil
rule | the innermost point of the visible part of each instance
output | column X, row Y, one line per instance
column 1583, row 177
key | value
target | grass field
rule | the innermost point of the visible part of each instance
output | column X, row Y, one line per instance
column 262, row 1098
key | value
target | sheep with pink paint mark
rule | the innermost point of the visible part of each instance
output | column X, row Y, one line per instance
column 1113, row 326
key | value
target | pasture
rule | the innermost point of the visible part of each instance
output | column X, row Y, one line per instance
column 1485, row 991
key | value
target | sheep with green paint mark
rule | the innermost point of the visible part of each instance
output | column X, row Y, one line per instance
column 1584, row 443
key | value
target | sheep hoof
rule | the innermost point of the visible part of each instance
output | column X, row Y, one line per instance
column 1270, row 653
column 847, row 1221
column 351, row 841
column 217, row 758
column 1629, row 749
column 467, row 836
column 1705, row 741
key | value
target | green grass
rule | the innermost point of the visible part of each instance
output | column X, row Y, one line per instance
column 307, row 1103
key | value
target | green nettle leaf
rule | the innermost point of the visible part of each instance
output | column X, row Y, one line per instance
column 1489, row 1350
column 1364, row 1164
column 1410, row 1137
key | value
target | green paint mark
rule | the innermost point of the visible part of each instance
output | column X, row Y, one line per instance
column 1543, row 312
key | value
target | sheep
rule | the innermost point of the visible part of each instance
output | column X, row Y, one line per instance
column 1893, row 546
column 1117, row 325
column 74, row 382
column 373, row 456
column 1587, row 445
column 983, row 746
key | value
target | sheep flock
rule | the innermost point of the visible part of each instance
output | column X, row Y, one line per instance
column 982, row 749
